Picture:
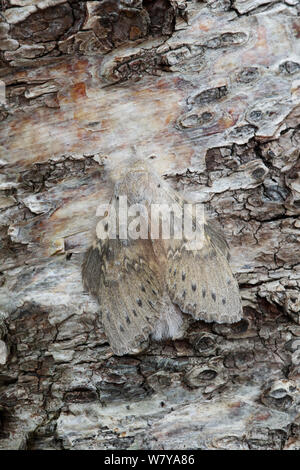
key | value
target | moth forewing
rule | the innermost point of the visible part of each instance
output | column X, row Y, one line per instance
column 156, row 263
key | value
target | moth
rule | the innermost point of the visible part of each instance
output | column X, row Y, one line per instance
column 144, row 285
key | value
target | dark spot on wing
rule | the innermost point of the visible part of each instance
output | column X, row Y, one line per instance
column 203, row 292
column 223, row 301
column 134, row 313
column 121, row 328
column 154, row 292
column 139, row 302
column 183, row 276
column 143, row 289
column 213, row 295
column 194, row 287
column 184, row 294
column 150, row 303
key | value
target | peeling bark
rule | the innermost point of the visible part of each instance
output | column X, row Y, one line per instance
column 211, row 92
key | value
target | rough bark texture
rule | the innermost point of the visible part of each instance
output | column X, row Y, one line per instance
column 210, row 90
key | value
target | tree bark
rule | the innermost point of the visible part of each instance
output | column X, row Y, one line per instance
column 211, row 91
